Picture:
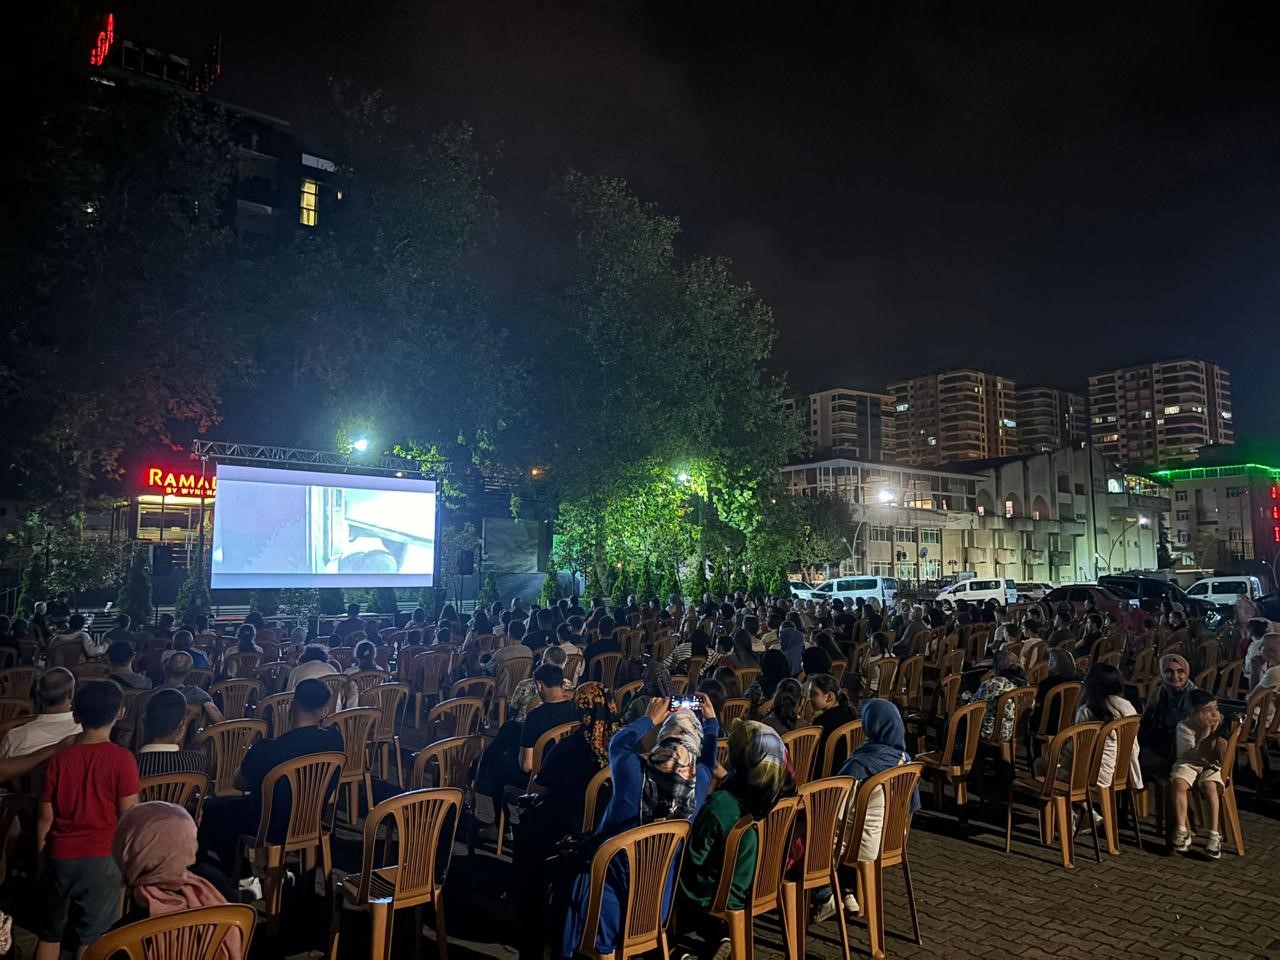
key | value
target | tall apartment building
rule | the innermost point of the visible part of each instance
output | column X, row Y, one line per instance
column 957, row 415
column 1049, row 418
column 1161, row 413
column 852, row 422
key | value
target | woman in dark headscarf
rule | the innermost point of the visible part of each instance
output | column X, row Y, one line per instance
column 774, row 668
column 657, row 683
column 1165, row 709
column 815, row 660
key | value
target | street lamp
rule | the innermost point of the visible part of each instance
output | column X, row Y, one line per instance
column 360, row 444
column 1139, row 521
column 885, row 496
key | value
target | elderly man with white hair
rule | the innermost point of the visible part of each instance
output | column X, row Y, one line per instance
column 915, row 625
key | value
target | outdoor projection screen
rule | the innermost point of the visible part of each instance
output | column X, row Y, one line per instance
column 295, row 528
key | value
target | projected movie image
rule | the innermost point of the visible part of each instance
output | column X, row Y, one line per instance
column 292, row 528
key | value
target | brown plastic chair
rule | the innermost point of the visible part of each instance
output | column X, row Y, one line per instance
column 554, row 735
column 337, row 684
column 1021, row 700
column 17, row 681
column 367, row 679
column 201, row 677
column 390, row 699
column 943, row 765
column 907, row 690
column 356, row 725
column 1124, row 732
column 802, row 746
column 1229, row 809
column 426, row 822
column 274, row 676
column 1229, row 679
column 275, row 710
column 825, row 804
column 897, row 785
column 885, row 672
column 604, row 668
column 185, row 789
column 227, row 743
column 507, row 675
column 481, row 687
column 459, row 717
column 446, row 763
column 234, row 697
column 694, row 671
column 850, row 736
column 11, row 708
column 309, row 779
column 1065, row 696
column 1261, row 723
column 747, row 676
column 649, row 853
column 427, row 675
column 623, row 695
column 1055, row 795
column 241, row 664
column 93, row 670
column 735, row 708
column 592, row 808
column 196, row 934
column 769, row 889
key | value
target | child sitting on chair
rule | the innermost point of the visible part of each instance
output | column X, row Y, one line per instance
column 1198, row 764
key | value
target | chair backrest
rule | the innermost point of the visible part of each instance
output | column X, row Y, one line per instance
column 1124, row 733
column 775, row 833
column 1021, row 700
column 185, row 789
column 554, row 735
column 510, row 672
column 275, row 709
column 368, row 679
column 196, row 934
column 747, row 676
column 1229, row 679
column 17, row 681
column 622, row 696
column 337, row 684
column 1261, row 716
column 735, row 708
column 649, row 852
column 95, row 670
column 947, row 695
column 459, row 717
column 390, row 699
column 481, row 687
column 884, row 671
column 227, row 743
column 908, row 680
column 604, row 668
column 356, row 724
column 13, row 707
column 274, row 676
column 1037, row 672
column 426, row 824
column 898, row 785
column 593, row 801
column 428, row 671
column 1229, row 753
column 838, row 668
column 695, row 668
column 1065, row 696
column 308, row 780
column 241, row 664
column 1080, row 738
column 802, row 745
column 850, row 737
column 235, row 696
column 953, row 663
column 448, row 763
column 966, row 721
column 825, row 803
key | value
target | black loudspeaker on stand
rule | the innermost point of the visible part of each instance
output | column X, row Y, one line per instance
column 466, row 562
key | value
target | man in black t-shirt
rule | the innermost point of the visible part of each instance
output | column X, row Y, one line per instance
column 843, row 621
column 557, row 708
column 535, row 640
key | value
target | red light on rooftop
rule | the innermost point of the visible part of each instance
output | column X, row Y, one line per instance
column 106, row 36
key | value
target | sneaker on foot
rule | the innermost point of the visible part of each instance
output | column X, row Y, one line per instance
column 850, row 904
column 1181, row 841
column 724, row 951
column 1213, row 846
column 824, row 911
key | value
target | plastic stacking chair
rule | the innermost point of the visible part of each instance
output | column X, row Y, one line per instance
column 458, row 717
column 447, row 763
column 896, row 785
column 825, row 804
column 802, row 746
column 227, row 743
column 1018, row 701
column 954, row 762
column 1056, row 795
column 481, row 687
column 234, row 697
column 307, row 781
column 843, row 740
column 747, row 676
column 426, row 822
column 594, row 800
column 17, row 681
column 366, row 679
column 907, row 691
column 275, row 711
column 623, row 694
column 356, row 726
column 187, row 790
column 390, row 699
column 1261, row 723
column 604, row 668
column 1124, row 734
column 650, row 852
column 540, row 747
column 196, row 934
column 735, row 708
column 1058, row 710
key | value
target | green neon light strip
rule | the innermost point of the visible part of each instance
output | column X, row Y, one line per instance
column 1201, row 473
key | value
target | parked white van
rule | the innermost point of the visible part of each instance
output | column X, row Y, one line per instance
column 977, row 589
column 1225, row 590
column 884, row 589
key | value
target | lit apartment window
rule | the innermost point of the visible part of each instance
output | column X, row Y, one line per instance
column 1226, row 414
column 1146, row 414
column 902, row 406
column 1008, row 508
column 1196, row 408
column 1171, row 410
column 307, row 210
column 1009, row 423
column 933, row 441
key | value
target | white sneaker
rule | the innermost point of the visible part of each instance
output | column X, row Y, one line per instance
column 824, row 911
column 850, row 904
column 1213, row 846
column 1181, row 841
column 253, row 886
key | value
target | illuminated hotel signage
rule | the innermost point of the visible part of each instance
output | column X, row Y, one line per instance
column 179, row 483
column 106, row 37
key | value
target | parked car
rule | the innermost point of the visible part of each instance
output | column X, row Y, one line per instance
column 1224, row 591
column 884, row 589
column 1150, row 591
column 801, row 589
column 1004, row 592
column 1121, row 610
column 1031, row 592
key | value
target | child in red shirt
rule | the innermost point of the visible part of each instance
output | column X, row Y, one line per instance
column 86, row 788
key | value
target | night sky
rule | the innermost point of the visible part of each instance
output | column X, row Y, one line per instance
column 1044, row 190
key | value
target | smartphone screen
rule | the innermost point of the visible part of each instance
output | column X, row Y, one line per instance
column 686, row 703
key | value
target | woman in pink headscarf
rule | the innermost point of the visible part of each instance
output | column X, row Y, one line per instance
column 154, row 845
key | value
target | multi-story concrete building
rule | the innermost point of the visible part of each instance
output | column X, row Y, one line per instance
column 1160, row 413
column 852, row 422
column 1049, row 418
column 1224, row 517
column 954, row 416
column 1057, row 517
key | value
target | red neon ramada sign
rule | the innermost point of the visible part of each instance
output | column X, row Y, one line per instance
column 179, row 483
